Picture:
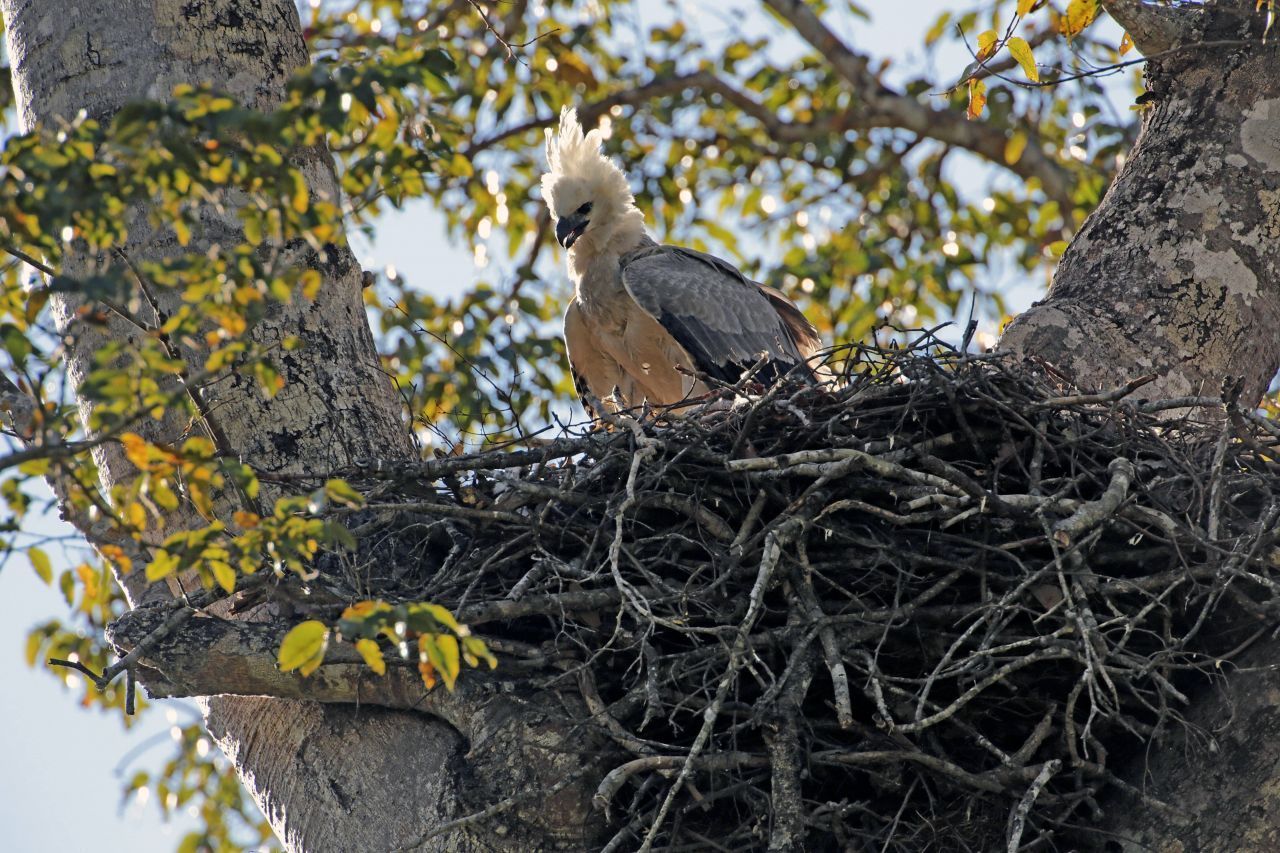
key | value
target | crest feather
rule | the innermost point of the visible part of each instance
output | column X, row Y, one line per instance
column 571, row 153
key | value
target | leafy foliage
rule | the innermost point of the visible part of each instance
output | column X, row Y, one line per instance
column 423, row 632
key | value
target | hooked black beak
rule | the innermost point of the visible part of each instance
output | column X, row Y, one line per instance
column 570, row 228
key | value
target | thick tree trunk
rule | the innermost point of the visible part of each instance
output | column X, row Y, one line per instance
column 332, row 777
column 1177, row 272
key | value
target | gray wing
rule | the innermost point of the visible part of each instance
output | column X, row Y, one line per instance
column 722, row 320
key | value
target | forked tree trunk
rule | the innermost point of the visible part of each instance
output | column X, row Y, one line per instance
column 335, row 778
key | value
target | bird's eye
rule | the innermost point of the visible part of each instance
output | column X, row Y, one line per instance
column 584, row 210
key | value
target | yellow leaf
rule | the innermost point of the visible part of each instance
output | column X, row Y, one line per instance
column 1024, row 7
column 428, row 673
column 450, row 659
column 246, row 520
column 1014, row 147
column 200, row 498
column 164, row 495
column 363, row 609
column 162, row 565
column 41, row 563
column 1080, row 14
column 135, row 449
column 217, row 360
column 1021, row 51
column 253, row 230
column 575, row 72
column 443, row 616
column 340, row 492
column 223, row 574
column 301, row 196
column 310, row 281
column 198, row 447
column 303, row 647
column 36, row 467
column 939, row 27
column 137, row 515
column 977, row 98
column 474, row 647
column 372, row 655
column 1126, row 44
column 987, row 44
column 116, row 555
column 430, row 647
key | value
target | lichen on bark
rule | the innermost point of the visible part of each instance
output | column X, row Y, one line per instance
column 1177, row 272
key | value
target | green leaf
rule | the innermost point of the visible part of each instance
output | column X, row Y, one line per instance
column 224, row 574
column 41, row 563
column 339, row 491
column 304, row 646
column 162, row 565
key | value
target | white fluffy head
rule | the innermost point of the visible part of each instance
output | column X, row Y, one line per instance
column 577, row 173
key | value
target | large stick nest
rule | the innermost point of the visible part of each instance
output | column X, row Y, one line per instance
column 938, row 605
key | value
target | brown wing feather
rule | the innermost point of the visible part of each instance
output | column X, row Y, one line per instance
column 805, row 335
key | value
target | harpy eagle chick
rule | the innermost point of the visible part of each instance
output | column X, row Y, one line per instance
column 639, row 309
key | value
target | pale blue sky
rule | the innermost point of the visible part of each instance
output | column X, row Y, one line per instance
column 60, row 790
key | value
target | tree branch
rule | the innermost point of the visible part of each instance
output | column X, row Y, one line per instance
column 1154, row 29
column 501, row 714
column 882, row 107
column 209, row 657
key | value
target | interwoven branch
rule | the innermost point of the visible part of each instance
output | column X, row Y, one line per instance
column 936, row 605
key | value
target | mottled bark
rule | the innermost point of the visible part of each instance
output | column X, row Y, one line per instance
column 332, row 777
column 1177, row 272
